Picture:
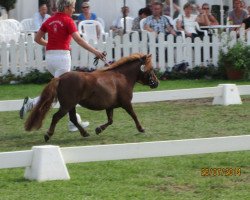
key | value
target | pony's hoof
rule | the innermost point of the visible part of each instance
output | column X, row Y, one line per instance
column 46, row 138
column 85, row 135
column 142, row 130
column 98, row 130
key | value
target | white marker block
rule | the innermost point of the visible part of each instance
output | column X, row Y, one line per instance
column 230, row 95
column 47, row 164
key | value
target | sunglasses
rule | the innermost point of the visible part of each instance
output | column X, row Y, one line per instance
column 85, row 7
column 205, row 8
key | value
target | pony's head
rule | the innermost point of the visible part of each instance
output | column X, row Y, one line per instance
column 147, row 75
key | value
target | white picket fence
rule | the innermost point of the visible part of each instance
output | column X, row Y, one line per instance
column 25, row 55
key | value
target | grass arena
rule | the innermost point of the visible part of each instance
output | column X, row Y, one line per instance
column 200, row 176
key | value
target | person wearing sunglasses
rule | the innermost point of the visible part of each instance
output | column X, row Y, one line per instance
column 206, row 16
column 86, row 14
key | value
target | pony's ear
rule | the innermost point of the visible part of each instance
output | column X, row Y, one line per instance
column 149, row 55
column 144, row 57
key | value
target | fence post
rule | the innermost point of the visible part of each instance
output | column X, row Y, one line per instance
column 47, row 164
column 230, row 95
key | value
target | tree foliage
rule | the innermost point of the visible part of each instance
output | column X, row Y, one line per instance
column 8, row 4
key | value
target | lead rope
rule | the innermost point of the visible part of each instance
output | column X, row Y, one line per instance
column 96, row 60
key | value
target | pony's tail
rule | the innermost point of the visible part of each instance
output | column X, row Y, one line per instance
column 39, row 112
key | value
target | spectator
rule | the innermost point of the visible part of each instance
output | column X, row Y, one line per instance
column 52, row 9
column 117, row 22
column 116, row 25
column 238, row 14
column 86, row 14
column 41, row 16
column 187, row 21
column 167, row 9
column 143, row 13
column 159, row 23
column 206, row 18
column 246, row 24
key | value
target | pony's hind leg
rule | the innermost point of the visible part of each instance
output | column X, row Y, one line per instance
column 73, row 119
column 56, row 117
column 131, row 112
column 101, row 128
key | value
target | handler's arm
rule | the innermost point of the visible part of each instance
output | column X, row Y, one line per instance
column 39, row 38
column 76, row 36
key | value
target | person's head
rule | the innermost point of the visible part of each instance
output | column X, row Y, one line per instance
column 205, row 7
column 188, row 8
column 43, row 9
column 66, row 6
column 237, row 5
column 85, row 7
column 144, row 12
column 125, row 10
column 157, row 9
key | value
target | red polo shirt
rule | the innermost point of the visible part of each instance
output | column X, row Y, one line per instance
column 59, row 28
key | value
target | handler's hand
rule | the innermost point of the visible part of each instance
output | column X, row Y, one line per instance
column 100, row 55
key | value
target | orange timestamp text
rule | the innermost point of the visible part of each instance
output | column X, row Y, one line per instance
column 219, row 171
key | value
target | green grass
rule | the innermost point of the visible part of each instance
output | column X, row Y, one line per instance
column 171, row 178
column 177, row 177
column 161, row 120
column 20, row 91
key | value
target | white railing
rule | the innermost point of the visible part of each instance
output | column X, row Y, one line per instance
column 48, row 162
column 41, row 160
column 21, row 57
column 227, row 92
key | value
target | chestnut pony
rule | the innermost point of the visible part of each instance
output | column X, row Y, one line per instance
column 104, row 89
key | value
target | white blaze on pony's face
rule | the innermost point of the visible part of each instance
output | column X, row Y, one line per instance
column 148, row 75
column 143, row 68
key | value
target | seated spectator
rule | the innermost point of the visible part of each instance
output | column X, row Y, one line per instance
column 238, row 14
column 143, row 13
column 246, row 24
column 52, row 8
column 116, row 24
column 86, row 14
column 166, row 9
column 206, row 17
column 41, row 16
column 186, row 22
column 159, row 23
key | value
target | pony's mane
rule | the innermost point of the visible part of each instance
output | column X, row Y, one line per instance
column 123, row 60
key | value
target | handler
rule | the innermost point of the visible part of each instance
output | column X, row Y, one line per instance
column 60, row 28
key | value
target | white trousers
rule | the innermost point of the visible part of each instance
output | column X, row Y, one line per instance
column 58, row 63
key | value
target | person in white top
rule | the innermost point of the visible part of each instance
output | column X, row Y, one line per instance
column 116, row 24
column 40, row 16
column 186, row 22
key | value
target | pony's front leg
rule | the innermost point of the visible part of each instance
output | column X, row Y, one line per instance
column 73, row 119
column 131, row 112
column 56, row 117
column 101, row 128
